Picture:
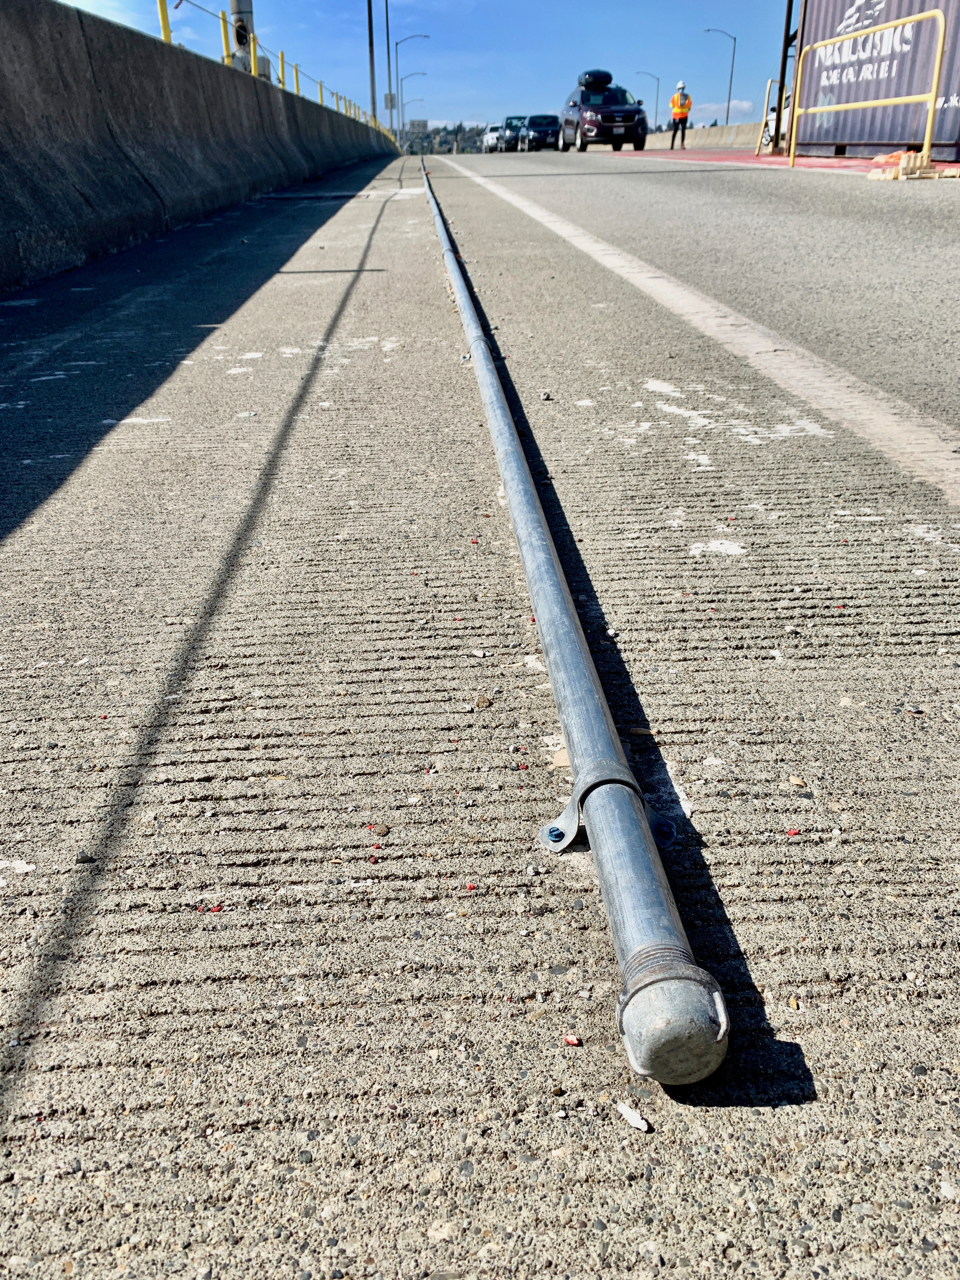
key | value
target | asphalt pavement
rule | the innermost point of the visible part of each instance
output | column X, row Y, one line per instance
column 278, row 740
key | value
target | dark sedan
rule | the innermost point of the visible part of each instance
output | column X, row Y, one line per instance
column 539, row 132
column 509, row 136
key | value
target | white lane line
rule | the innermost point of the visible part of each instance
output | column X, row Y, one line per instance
column 918, row 444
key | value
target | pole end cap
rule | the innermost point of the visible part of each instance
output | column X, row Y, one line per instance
column 675, row 1031
column 672, row 1016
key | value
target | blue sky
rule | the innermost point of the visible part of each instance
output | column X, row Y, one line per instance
column 484, row 60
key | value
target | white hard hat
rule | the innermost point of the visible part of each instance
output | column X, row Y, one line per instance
column 681, row 85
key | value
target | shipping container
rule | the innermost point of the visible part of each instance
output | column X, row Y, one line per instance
column 894, row 63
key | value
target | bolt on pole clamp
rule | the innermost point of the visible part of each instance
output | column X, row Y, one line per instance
column 557, row 835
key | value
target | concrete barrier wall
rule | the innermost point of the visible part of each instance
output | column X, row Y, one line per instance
column 734, row 135
column 108, row 136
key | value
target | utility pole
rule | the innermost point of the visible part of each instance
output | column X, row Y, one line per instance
column 373, row 70
column 386, row 14
column 788, row 40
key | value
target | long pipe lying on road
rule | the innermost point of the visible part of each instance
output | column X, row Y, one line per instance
column 671, row 1013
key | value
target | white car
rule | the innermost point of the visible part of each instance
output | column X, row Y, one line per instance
column 490, row 137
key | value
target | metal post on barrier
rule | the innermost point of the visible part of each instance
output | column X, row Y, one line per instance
column 253, row 55
column 296, row 79
column 225, row 36
column 929, row 98
column 320, row 91
column 164, row 22
column 281, row 72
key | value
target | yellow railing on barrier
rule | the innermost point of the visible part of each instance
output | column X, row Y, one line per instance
column 929, row 98
column 343, row 103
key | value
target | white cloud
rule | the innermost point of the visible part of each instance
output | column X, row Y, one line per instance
column 741, row 111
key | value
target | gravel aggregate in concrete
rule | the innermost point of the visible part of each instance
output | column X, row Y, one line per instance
column 269, row 664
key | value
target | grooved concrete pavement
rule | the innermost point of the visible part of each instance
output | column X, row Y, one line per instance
column 270, row 667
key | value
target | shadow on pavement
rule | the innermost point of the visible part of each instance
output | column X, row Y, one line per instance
column 53, row 954
column 759, row 1070
column 81, row 351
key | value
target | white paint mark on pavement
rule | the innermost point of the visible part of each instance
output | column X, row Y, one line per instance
column 717, row 547
column 917, row 443
column 663, row 388
column 20, row 868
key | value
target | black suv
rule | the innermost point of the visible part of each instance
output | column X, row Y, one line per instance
column 598, row 111
column 509, row 136
column 539, row 131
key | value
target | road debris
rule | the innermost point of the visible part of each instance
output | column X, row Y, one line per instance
column 634, row 1118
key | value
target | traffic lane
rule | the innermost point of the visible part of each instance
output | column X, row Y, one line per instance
column 862, row 274
column 82, row 350
column 777, row 611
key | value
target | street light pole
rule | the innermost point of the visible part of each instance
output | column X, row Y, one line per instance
column 403, row 120
column 413, row 100
column 396, row 57
column 720, row 32
column 386, row 14
column 656, row 109
column 373, row 70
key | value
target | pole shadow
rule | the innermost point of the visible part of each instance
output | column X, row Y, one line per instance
column 759, row 1070
column 92, row 876
column 82, row 350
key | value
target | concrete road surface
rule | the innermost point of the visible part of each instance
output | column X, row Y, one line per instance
column 287, row 984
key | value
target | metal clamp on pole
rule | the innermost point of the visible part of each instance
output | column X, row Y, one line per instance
column 557, row 835
column 675, row 1027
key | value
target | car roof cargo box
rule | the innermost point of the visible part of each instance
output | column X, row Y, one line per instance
column 595, row 79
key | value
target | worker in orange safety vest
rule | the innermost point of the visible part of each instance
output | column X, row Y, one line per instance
column 680, row 105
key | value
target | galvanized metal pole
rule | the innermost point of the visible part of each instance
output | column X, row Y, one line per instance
column 671, row 1013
